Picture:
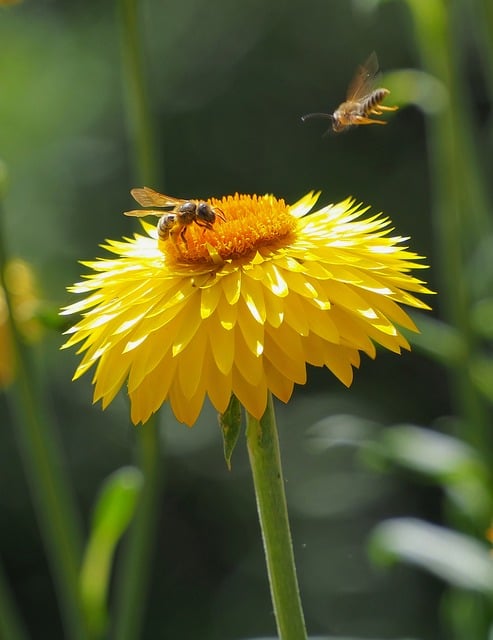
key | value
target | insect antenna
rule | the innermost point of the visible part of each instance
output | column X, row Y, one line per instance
column 309, row 116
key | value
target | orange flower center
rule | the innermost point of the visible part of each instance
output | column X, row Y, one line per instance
column 243, row 224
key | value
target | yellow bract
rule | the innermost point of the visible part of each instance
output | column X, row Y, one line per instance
column 244, row 307
column 20, row 282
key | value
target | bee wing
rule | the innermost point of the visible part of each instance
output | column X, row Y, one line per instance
column 147, row 197
column 140, row 213
column 362, row 82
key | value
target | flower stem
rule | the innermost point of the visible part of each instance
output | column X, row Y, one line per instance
column 140, row 123
column 136, row 563
column 265, row 462
column 50, row 489
column 461, row 210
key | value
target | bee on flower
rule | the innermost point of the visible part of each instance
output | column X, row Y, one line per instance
column 180, row 215
column 242, row 307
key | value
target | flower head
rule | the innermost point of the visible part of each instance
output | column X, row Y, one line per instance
column 243, row 307
column 20, row 283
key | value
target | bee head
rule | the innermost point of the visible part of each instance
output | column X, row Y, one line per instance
column 337, row 125
column 205, row 212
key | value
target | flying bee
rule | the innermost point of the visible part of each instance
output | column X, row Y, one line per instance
column 174, row 223
column 361, row 101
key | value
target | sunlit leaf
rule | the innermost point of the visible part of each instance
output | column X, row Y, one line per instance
column 432, row 453
column 411, row 86
column 113, row 512
column 455, row 558
column 443, row 459
column 341, row 429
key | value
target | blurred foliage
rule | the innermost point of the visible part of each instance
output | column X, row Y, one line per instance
column 112, row 515
column 228, row 83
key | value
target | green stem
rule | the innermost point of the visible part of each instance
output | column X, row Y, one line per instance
column 136, row 562
column 49, row 486
column 481, row 12
column 460, row 203
column 265, row 462
column 140, row 124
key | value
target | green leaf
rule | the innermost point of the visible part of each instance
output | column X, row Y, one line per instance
column 437, row 340
column 455, row 558
column 112, row 515
column 447, row 461
column 439, row 456
column 49, row 317
column 482, row 318
column 467, row 614
column 411, row 86
column 482, row 375
column 230, row 423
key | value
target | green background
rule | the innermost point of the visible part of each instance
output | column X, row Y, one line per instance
column 228, row 82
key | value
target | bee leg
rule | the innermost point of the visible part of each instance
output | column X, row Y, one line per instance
column 204, row 224
column 378, row 110
column 220, row 214
column 384, row 108
column 173, row 236
column 364, row 120
column 204, row 227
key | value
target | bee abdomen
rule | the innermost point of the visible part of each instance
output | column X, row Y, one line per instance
column 374, row 99
column 165, row 224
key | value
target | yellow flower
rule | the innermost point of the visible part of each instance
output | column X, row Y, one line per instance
column 242, row 308
column 20, row 282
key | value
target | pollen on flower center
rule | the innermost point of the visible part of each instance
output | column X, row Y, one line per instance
column 250, row 222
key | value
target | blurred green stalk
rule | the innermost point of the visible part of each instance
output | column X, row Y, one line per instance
column 133, row 578
column 482, row 12
column 265, row 462
column 50, row 488
column 462, row 221
column 461, row 216
column 11, row 625
column 141, row 127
